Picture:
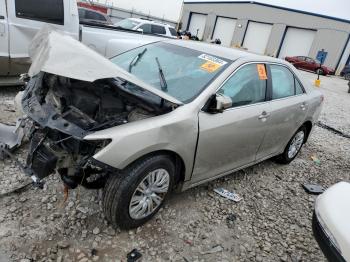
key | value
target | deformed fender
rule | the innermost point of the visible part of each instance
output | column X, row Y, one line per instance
column 131, row 141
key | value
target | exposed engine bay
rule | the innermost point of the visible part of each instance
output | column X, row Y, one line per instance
column 65, row 110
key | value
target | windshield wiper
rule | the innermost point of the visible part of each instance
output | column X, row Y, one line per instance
column 163, row 83
column 136, row 59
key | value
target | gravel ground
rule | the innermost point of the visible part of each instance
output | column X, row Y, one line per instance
column 271, row 223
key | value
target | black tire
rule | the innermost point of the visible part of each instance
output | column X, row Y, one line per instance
column 347, row 76
column 284, row 158
column 320, row 71
column 120, row 188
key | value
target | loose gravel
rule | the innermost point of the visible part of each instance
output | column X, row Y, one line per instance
column 271, row 223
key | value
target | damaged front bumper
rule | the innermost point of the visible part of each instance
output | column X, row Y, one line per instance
column 58, row 145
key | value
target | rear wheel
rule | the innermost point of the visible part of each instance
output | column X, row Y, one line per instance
column 293, row 147
column 135, row 196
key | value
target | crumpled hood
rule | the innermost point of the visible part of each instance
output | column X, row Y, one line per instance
column 57, row 53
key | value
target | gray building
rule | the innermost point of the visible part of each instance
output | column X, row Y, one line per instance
column 270, row 30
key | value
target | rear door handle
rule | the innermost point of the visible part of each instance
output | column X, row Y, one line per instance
column 303, row 106
column 264, row 115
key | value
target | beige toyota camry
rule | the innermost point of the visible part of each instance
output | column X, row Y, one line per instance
column 166, row 114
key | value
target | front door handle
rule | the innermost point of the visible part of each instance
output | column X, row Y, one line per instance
column 264, row 115
column 2, row 17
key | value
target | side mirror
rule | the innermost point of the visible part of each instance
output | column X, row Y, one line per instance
column 223, row 102
column 140, row 30
column 218, row 103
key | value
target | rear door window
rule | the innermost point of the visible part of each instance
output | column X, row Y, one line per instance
column 158, row 29
column 284, row 83
column 41, row 10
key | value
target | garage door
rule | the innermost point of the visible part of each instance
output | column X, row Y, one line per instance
column 224, row 30
column 256, row 37
column 297, row 42
column 197, row 24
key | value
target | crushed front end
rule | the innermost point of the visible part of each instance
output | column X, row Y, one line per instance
column 64, row 111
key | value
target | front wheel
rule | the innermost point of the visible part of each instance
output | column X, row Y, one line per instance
column 135, row 196
column 293, row 147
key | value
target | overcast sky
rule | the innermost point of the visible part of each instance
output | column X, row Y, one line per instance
column 171, row 8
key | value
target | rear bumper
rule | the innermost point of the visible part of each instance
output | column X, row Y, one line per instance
column 326, row 245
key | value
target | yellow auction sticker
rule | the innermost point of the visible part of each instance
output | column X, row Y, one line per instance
column 210, row 66
column 261, row 71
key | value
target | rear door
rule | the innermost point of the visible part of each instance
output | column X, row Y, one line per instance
column 231, row 139
column 288, row 109
column 4, row 40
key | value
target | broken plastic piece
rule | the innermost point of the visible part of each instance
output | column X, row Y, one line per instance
column 134, row 255
column 227, row 194
column 315, row 159
column 10, row 137
column 313, row 189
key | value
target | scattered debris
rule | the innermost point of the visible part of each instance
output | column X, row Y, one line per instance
column 215, row 249
column 315, row 159
column 10, row 137
column 313, row 189
column 230, row 220
column 227, row 194
column 134, row 255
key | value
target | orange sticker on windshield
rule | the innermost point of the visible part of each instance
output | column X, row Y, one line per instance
column 261, row 71
column 210, row 66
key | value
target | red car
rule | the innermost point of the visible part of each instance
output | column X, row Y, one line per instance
column 309, row 64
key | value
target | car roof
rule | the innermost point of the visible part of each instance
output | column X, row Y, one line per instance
column 144, row 20
column 230, row 53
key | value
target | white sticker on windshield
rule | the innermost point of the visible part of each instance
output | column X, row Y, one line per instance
column 212, row 59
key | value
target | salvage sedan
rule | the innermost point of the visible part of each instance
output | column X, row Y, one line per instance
column 165, row 115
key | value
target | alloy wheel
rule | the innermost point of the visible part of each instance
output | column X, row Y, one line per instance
column 296, row 144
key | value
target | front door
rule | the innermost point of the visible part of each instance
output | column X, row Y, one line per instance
column 4, row 40
column 288, row 109
column 231, row 139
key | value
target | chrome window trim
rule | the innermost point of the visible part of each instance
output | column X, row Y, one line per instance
column 265, row 102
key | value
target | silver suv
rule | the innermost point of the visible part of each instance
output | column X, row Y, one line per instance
column 148, row 27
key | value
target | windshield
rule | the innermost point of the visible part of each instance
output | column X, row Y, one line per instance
column 185, row 72
column 127, row 24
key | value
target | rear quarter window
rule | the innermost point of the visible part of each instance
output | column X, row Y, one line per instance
column 41, row 10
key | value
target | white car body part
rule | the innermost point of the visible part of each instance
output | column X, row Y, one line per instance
column 332, row 210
